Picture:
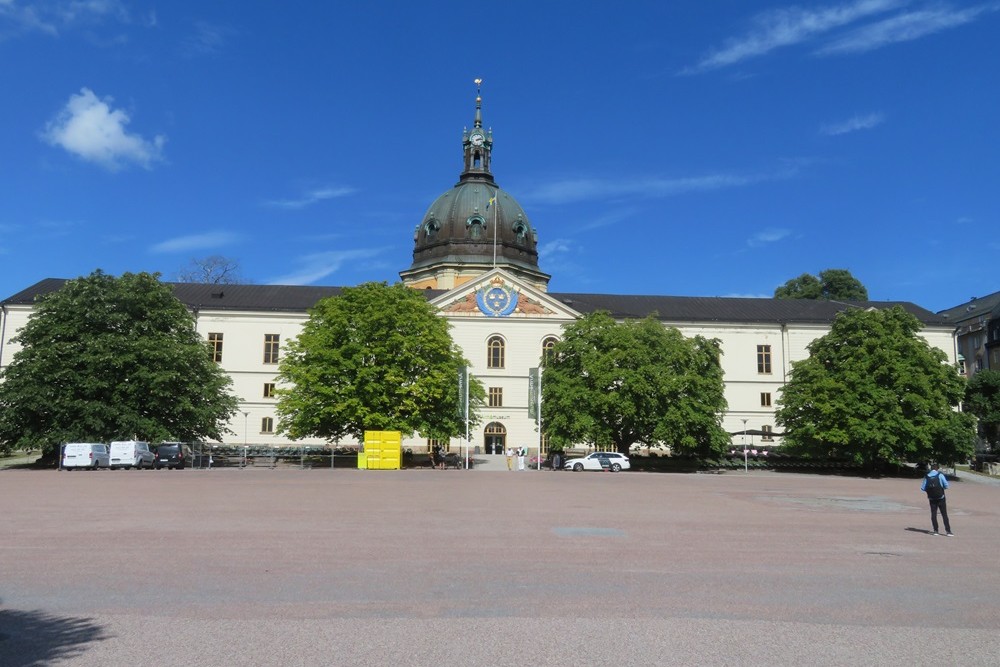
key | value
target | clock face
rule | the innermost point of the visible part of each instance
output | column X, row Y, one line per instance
column 477, row 139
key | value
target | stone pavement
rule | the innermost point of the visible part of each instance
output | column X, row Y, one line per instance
column 418, row 567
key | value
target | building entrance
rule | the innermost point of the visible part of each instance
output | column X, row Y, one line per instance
column 495, row 438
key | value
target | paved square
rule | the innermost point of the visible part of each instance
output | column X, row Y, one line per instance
column 430, row 567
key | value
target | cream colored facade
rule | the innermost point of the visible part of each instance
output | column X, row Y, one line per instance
column 752, row 395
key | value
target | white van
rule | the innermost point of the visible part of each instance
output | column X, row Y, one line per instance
column 85, row 455
column 129, row 453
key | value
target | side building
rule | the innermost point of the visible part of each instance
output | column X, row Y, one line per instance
column 977, row 333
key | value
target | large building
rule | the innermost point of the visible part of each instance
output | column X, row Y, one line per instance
column 475, row 257
column 977, row 332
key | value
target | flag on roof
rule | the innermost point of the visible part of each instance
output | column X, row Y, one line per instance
column 492, row 201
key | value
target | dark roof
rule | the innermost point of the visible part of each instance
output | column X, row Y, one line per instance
column 297, row 298
column 973, row 308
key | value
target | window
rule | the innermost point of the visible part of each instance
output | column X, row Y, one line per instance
column 267, row 425
column 548, row 347
column 765, row 399
column 271, row 348
column 444, row 445
column 215, row 347
column 764, row 359
column 494, row 352
column 766, row 436
column 496, row 397
column 268, row 390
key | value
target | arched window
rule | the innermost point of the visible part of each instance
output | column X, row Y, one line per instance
column 431, row 228
column 495, row 438
column 520, row 231
column 548, row 345
column 475, row 227
column 495, row 352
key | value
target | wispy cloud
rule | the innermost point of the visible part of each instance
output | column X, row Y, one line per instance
column 854, row 124
column 90, row 129
column 312, row 197
column 320, row 265
column 195, row 242
column 586, row 189
column 769, row 235
column 785, row 27
column 55, row 17
column 903, row 28
column 555, row 247
column 206, row 39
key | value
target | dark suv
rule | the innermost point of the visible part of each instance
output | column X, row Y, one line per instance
column 173, row 455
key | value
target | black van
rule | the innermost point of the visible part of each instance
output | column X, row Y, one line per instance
column 172, row 455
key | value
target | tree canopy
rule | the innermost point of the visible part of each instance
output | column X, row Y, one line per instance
column 875, row 392
column 982, row 399
column 107, row 358
column 617, row 384
column 832, row 284
column 214, row 269
column 376, row 357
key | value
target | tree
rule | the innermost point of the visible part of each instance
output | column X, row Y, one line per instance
column 982, row 399
column 376, row 357
column 607, row 384
column 832, row 284
column 875, row 392
column 215, row 270
column 107, row 358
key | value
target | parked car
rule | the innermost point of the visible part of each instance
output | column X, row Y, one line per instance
column 91, row 455
column 131, row 453
column 612, row 461
column 172, row 455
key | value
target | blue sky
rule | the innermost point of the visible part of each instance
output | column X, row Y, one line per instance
column 691, row 147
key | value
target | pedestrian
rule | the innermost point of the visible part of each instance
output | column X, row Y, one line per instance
column 521, row 453
column 510, row 458
column 555, row 460
column 934, row 485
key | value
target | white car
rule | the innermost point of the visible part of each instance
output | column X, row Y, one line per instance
column 92, row 455
column 612, row 461
column 131, row 453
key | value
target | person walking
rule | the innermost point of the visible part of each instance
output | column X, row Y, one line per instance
column 934, row 485
column 510, row 458
column 521, row 453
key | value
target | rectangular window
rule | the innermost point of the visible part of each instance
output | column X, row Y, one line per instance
column 267, row 425
column 496, row 397
column 766, row 437
column 764, row 359
column 268, row 390
column 215, row 347
column 271, row 348
column 765, row 399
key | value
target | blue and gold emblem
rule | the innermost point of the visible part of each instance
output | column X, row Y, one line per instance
column 496, row 299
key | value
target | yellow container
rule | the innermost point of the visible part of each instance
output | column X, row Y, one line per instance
column 383, row 451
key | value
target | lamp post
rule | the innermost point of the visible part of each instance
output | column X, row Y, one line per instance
column 246, row 416
column 746, row 465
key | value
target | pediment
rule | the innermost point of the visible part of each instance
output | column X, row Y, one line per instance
column 498, row 294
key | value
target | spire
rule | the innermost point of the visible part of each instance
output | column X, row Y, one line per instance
column 479, row 104
column 477, row 145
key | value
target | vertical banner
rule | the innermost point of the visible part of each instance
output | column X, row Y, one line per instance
column 534, row 393
column 463, row 392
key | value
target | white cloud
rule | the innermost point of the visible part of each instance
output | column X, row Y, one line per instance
column 207, row 39
column 320, row 265
column 89, row 128
column 854, row 124
column 554, row 248
column 769, row 235
column 786, row 27
column 312, row 197
column 902, row 28
column 54, row 16
column 195, row 242
column 584, row 189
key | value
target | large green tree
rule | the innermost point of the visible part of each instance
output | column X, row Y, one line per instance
column 107, row 358
column 982, row 399
column 831, row 284
column 875, row 392
column 615, row 384
column 375, row 357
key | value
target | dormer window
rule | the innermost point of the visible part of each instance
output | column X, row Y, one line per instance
column 476, row 227
column 431, row 228
column 520, row 231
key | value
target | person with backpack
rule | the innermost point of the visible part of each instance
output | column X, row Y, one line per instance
column 934, row 485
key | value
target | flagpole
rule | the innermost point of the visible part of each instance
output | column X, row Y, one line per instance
column 495, row 206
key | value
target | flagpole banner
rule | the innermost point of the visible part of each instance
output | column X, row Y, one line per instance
column 533, row 388
column 463, row 391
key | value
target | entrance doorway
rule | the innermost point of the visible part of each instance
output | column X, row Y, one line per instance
column 495, row 438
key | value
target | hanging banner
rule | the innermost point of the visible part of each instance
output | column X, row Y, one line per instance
column 463, row 392
column 534, row 390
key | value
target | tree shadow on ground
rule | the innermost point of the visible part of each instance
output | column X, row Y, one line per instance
column 34, row 638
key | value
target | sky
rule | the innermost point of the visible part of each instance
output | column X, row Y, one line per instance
column 687, row 148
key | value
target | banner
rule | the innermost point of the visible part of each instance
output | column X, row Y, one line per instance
column 534, row 391
column 463, row 392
